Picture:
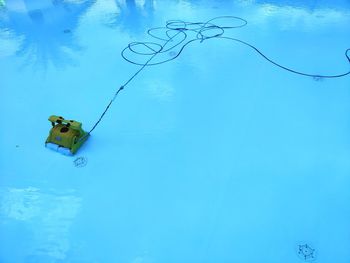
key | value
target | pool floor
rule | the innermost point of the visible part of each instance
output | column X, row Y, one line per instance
column 215, row 156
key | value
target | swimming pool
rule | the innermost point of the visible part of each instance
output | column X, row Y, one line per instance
column 215, row 156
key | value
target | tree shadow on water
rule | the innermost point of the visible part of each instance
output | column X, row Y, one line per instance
column 45, row 34
column 133, row 18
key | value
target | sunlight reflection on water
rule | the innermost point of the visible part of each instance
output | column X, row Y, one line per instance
column 49, row 214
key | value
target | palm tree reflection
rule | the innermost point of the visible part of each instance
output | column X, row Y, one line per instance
column 134, row 17
column 45, row 33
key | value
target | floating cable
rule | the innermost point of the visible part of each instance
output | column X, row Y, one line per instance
column 176, row 35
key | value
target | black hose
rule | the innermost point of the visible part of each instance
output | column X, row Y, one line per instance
column 176, row 35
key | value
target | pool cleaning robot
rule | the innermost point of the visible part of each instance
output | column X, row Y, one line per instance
column 66, row 136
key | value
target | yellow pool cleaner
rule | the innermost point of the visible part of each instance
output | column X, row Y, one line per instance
column 66, row 136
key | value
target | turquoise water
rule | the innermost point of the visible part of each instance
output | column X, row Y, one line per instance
column 215, row 156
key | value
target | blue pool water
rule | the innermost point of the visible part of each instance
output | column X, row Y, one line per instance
column 215, row 156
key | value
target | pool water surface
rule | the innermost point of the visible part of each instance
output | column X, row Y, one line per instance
column 214, row 154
